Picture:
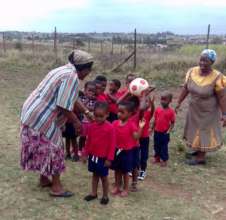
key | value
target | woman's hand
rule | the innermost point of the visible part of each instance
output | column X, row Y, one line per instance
column 89, row 115
column 78, row 126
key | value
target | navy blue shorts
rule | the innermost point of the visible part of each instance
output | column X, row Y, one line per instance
column 96, row 165
column 70, row 131
column 123, row 161
column 136, row 157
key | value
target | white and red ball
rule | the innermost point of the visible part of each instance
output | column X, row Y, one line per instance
column 138, row 86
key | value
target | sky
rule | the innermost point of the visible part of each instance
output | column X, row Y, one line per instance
column 148, row 16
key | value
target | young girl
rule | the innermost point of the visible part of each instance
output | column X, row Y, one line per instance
column 88, row 99
column 100, row 146
column 101, row 84
column 127, row 136
column 112, row 97
column 164, row 119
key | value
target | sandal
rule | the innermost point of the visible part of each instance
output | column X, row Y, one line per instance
column 115, row 191
column 104, row 201
column 64, row 194
column 196, row 162
column 90, row 197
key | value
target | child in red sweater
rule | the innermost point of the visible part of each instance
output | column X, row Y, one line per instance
column 164, row 119
column 113, row 96
column 127, row 136
column 100, row 146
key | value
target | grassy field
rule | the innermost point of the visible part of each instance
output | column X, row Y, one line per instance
column 178, row 192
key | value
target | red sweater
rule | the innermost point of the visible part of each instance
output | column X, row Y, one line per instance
column 100, row 140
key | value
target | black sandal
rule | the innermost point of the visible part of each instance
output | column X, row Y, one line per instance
column 90, row 197
column 104, row 201
column 196, row 162
column 65, row 194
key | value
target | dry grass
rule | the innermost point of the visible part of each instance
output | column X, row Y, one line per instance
column 177, row 192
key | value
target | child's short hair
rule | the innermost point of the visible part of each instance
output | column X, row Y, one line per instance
column 88, row 83
column 128, row 105
column 167, row 94
column 101, row 105
column 117, row 83
column 101, row 78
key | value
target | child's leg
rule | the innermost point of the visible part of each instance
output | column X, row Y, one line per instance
column 124, row 193
column 75, row 148
column 68, row 143
column 105, row 186
column 95, row 181
column 118, row 182
column 93, row 194
column 82, row 141
column 156, row 147
column 164, row 155
column 144, row 153
column 134, row 179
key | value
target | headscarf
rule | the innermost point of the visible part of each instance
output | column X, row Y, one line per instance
column 211, row 54
column 81, row 57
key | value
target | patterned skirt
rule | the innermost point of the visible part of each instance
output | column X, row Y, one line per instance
column 40, row 154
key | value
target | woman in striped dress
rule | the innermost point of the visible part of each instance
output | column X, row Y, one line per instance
column 44, row 113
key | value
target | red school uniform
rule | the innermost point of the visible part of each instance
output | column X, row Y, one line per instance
column 147, row 118
column 124, row 135
column 113, row 107
column 100, row 140
column 163, row 119
column 123, row 91
column 102, row 97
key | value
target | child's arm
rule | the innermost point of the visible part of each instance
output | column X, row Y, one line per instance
column 126, row 95
column 137, row 134
column 112, row 98
column 171, row 127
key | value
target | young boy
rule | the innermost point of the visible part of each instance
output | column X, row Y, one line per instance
column 101, row 84
column 164, row 119
column 112, row 97
column 148, row 112
column 127, row 136
column 100, row 146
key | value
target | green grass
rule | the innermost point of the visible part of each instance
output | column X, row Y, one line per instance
column 177, row 192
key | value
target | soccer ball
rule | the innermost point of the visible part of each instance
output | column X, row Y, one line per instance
column 137, row 86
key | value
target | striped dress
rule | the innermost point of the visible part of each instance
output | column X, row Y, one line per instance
column 41, row 119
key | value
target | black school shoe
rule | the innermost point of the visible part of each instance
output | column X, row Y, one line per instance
column 104, row 201
column 89, row 198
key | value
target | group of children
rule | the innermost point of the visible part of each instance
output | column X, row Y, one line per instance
column 118, row 138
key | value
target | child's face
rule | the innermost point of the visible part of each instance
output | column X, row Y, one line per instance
column 112, row 87
column 90, row 91
column 165, row 101
column 123, row 113
column 99, row 88
column 100, row 115
column 104, row 85
column 129, row 80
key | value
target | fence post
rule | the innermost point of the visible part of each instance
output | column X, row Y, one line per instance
column 55, row 43
column 101, row 47
column 121, row 46
column 3, row 43
column 89, row 45
column 135, row 50
column 112, row 45
column 73, row 43
column 33, row 45
column 208, row 36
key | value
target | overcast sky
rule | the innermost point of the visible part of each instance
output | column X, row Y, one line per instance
column 149, row 16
